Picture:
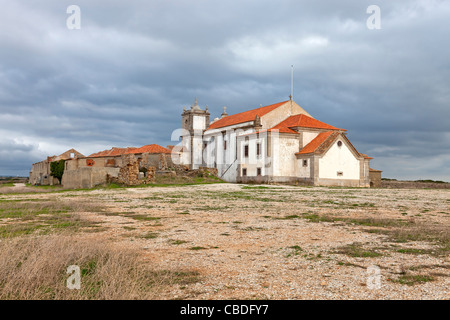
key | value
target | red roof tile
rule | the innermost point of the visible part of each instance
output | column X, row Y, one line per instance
column 114, row 152
column 303, row 121
column 151, row 148
column 323, row 141
column 314, row 145
column 244, row 116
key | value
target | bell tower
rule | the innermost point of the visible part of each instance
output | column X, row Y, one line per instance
column 194, row 122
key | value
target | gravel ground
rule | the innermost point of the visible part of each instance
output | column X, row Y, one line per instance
column 268, row 242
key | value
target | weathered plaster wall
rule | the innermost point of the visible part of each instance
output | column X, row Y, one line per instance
column 304, row 171
column 40, row 173
column 284, row 159
column 197, row 150
column 87, row 177
column 199, row 122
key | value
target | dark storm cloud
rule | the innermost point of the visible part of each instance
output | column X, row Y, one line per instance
column 124, row 77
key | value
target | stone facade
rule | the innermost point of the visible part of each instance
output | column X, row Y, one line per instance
column 40, row 172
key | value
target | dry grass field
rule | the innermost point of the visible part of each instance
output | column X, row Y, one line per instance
column 224, row 241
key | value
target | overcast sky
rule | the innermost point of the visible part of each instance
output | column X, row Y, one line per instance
column 123, row 78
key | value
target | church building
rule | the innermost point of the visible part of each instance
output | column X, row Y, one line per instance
column 278, row 143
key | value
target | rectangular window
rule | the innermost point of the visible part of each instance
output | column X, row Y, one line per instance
column 224, row 142
column 340, row 173
column 305, row 163
column 258, row 171
column 258, row 149
column 246, row 151
column 244, row 172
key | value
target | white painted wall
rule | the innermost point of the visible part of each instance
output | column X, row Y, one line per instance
column 197, row 146
column 217, row 156
column 253, row 162
column 199, row 122
column 185, row 146
column 284, row 158
column 339, row 159
column 304, row 172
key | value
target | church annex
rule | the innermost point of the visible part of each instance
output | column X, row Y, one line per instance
column 278, row 143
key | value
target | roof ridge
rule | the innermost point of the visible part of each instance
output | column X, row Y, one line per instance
column 244, row 116
column 304, row 121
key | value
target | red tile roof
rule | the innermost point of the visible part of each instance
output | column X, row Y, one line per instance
column 314, row 145
column 114, row 152
column 151, row 148
column 323, row 141
column 303, row 121
column 244, row 116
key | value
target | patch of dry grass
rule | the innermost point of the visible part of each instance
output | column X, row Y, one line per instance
column 36, row 269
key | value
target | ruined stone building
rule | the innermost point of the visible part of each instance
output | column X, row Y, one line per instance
column 40, row 172
column 280, row 142
column 129, row 166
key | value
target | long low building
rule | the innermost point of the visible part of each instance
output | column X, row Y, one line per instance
column 105, row 166
column 98, row 168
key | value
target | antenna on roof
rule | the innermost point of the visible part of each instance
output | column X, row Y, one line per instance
column 292, row 83
column 291, row 97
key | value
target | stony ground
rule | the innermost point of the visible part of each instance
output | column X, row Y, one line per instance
column 279, row 242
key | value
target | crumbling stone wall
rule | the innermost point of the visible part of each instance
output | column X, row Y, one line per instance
column 129, row 171
column 162, row 162
column 150, row 178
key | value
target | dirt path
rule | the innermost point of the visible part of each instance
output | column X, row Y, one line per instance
column 19, row 185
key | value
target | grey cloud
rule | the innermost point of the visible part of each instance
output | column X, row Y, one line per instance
column 123, row 79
